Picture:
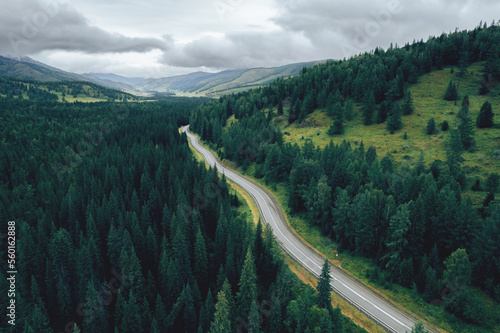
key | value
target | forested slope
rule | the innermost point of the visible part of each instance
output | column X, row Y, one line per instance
column 411, row 218
column 119, row 229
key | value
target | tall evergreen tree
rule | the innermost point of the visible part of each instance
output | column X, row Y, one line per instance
column 465, row 127
column 394, row 123
column 454, row 157
column 247, row 286
column 200, row 269
column 368, row 107
column 398, row 239
column 325, row 287
column 408, row 107
column 222, row 319
column 338, row 123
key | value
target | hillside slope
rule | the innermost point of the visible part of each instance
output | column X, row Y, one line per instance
column 429, row 103
column 221, row 83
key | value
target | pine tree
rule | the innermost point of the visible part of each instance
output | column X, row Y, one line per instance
column 431, row 127
column 131, row 320
column 349, row 109
column 485, row 117
column 338, row 124
column 294, row 111
column 368, row 108
column 280, row 108
column 337, row 321
column 408, row 107
column 325, row 288
column 326, row 323
column 465, row 127
column 276, row 316
column 200, row 269
column 451, row 93
column 222, row 319
column 397, row 239
column 394, row 123
column 431, row 291
column 247, row 286
column 454, row 157
column 190, row 319
column 254, row 318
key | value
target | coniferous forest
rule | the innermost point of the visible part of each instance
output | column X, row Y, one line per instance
column 119, row 229
column 411, row 219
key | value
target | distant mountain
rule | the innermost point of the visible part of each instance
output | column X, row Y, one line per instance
column 193, row 84
column 221, row 83
column 29, row 69
column 132, row 81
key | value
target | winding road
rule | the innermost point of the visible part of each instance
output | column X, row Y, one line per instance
column 385, row 314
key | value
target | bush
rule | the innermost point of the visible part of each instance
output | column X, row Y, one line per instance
column 445, row 126
column 477, row 185
column 431, row 127
column 466, row 306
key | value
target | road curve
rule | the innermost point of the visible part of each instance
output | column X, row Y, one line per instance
column 371, row 304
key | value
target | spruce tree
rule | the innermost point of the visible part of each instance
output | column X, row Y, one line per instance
column 222, row 318
column 247, row 286
column 395, row 123
column 451, row 93
column 465, row 127
column 326, row 323
column 325, row 288
column 408, row 107
column 485, row 117
column 397, row 239
column 280, row 108
column 431, row 127
column 254, row 318
column 338, row 123
column 454, row 157
column 368, row 108
column 200, row 269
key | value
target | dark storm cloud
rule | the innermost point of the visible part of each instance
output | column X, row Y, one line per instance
column 30, row 26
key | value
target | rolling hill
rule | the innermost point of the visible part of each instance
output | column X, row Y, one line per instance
column 192, row 84
column 209, row 84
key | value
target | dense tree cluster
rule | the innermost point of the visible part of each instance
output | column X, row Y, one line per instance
column 45, row 91
column 409, row 219
column 119, row 229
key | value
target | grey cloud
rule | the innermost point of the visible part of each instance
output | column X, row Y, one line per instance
column 30, row 26
column 237, row 50
column 346, row 28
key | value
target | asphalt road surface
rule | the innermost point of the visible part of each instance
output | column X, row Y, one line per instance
column 375, row 307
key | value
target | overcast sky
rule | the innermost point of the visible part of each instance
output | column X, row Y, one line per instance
column 156, row 38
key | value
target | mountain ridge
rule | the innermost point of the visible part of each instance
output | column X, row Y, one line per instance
column 192, row 84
